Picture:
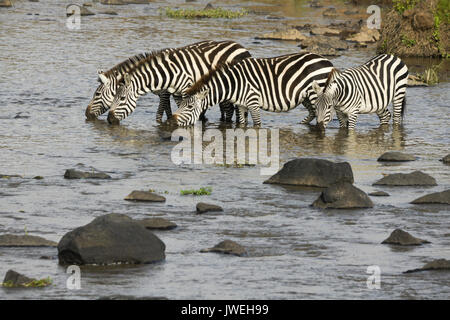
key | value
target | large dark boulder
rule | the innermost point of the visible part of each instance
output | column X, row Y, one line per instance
column 416, row 178
column 112, row 238
column 403, row 238
column 313, row 173
column 343, row 195
column 437, row 197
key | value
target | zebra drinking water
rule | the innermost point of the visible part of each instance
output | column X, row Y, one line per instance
column 368, row 88
column 274, row 84
column 175, row 71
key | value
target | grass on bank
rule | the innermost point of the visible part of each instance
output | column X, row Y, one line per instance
column 204, row 13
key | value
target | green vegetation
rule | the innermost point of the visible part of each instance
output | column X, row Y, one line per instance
column 32, row 284
column 441, row 16
column 408, row 42
column 200, row 192
column 430, row 76
column 204, row 13
column 401, row 5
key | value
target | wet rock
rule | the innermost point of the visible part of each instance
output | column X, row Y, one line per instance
column 75, row 174
column 366, row 35
column 403, row 238
column 437, row 197
column 330, row 12
column 83, row 12
column 290, row 35
column 5, row 3
column 379, row 194
column 9, row 176
column 415, row 81
column 145, row 196
column 110, row 239
column 343, row 195
column 396, row 156
column 324, row 50
column 12, row 240
column 416, row 178
column 209, row 6
column 87, row 4
column 227, row 247
column 15, row 279
column 203, row 207
column 109, row 12
column 312, row 172
column 323, row 41
column 324, row 31
column 439, row 264
column 157, row 224
column 423, row 21
column 446, row 159
column 38, row 177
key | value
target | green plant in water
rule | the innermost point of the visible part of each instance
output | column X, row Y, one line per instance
column 32, row 284
column 204, row 13
column 401, row 5
column 200, row 192
column 430, row 75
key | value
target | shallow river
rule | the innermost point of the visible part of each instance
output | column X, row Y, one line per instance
column 48, row 75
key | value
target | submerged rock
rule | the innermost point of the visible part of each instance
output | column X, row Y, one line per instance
column 437, row 197
column 12, row 240
column 396, row 156
column 343, row 195
column 439, row 264
column 157, row 223
column 110, row 239
column 379, row 194
column 227, row 247
column 203, row 207
column 416, row 178
column 446, row 159
column 75, row 174
column 145, row 196
column 15, row 279
column 403, row 238
column 290, row 35
column 312, row 172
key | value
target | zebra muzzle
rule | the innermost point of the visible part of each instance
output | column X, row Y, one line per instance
column 89, row 114
column 112, row 118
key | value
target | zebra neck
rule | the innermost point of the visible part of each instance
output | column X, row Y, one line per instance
column 219, row 87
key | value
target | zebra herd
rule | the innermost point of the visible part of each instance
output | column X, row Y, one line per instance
column 206, row 73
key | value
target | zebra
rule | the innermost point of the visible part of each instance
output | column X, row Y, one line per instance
column 174, row 72
column 368, row 88
column 276, row 84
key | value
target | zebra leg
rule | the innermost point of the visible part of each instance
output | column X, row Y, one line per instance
column 311, row 112
column 384, row 116
column 243, row 112
column 343, row 119
column 399, row 106
column 256, row 116
column 352, row 117
column 226, row 111
column 164, row 104
column 239, row 114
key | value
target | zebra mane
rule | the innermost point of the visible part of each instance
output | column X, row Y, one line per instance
column 127, row 64
column 334, row 73
column 196, row 87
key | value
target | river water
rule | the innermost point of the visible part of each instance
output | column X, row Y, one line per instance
column 48, row 75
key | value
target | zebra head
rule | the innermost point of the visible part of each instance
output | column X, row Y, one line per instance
column 103, row 96
column 124, row 101
column 326, row 101
column 190, row 108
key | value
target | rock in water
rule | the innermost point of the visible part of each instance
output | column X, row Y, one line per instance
column 437, row 197
column 396, row 156
column 288, row 35
column 15, row 279
column 227, row 247
column 446, row 159
column 146, row 196
column 109, row 239
column 312, row 172
column 343, row 195
column 12, row 240
column 439, row 264
column 207, row 207
column 379, row 194
column 75, row 174
column 403, row 238
column 157, row 223
column 416, row 178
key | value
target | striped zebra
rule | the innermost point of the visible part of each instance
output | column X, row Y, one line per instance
column 174, row 72
column 368, row 88
column 274, row 84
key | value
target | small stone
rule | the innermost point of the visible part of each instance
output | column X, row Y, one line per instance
column 75, row 174
column 437, row 197
column 109, row 12
column 207, row 207
column 38, row 177
column 403, row 238
column 12, row 240
column 144, row 196
column 227, row 247
column 446, row 159
column 439, row 264
column 416, row 178
column 396, row 156
column 343, row 195
column 379, row 194
column 157, row 223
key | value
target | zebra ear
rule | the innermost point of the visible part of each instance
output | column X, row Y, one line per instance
column 334, row 74
column 126, row 79
column 103, row 78
column 317, row 89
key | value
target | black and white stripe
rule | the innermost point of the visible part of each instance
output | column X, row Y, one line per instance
column 275, row 84
column 368, row 88
column 174, row 72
